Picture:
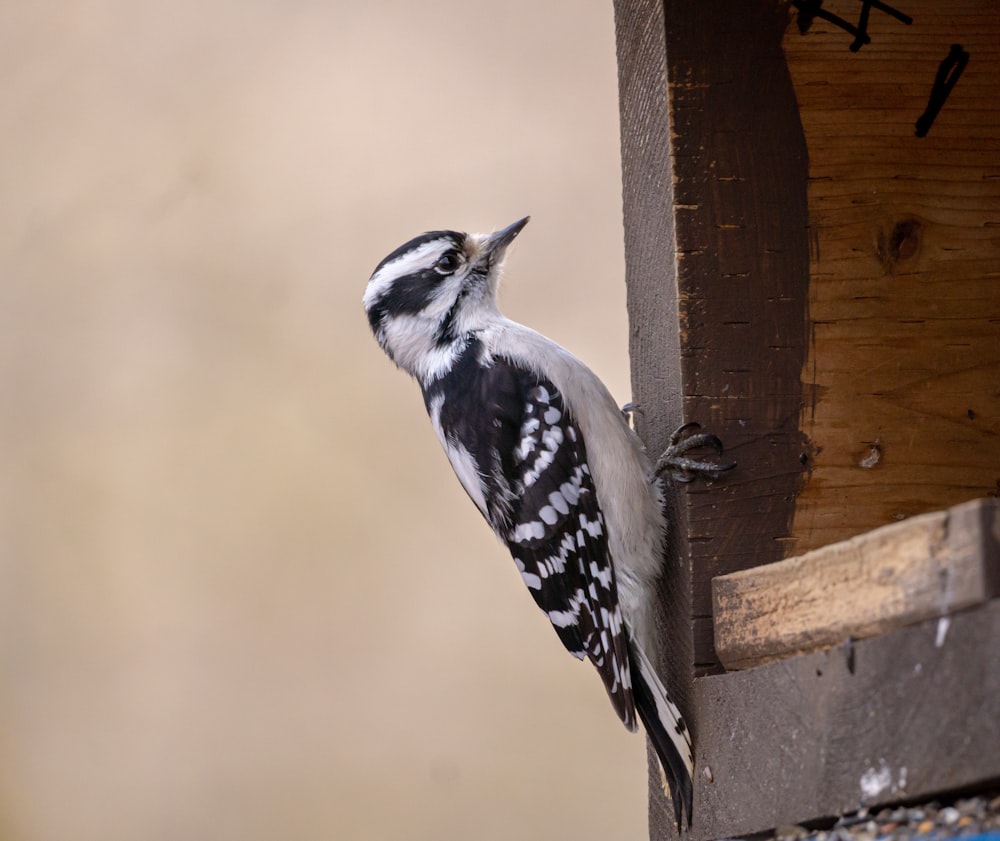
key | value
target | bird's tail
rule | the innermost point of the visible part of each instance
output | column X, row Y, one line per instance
column 667, row 731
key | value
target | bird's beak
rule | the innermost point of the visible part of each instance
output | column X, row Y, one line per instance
column 496, row 243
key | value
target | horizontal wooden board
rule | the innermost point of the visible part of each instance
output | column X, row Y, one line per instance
column 928, row 566
column 808, row 738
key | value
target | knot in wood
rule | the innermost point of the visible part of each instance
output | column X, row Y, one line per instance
column 900, row 243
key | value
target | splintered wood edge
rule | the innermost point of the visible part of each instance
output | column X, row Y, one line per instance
column 924, row 567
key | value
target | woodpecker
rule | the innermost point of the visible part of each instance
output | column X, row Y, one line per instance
column 552, row 464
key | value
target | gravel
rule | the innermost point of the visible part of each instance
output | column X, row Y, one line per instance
column 968, row 816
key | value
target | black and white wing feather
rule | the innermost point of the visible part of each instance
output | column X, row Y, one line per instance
column 560, row 544
column 539, row 497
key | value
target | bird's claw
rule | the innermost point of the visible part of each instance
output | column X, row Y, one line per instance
column 683, row 469
column 629, row 410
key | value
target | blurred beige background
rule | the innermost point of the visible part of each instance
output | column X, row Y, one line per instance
column 241, row 594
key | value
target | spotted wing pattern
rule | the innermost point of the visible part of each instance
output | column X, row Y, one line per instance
column 519, row 453
column 560, row 544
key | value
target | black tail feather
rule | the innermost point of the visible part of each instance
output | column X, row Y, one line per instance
column 675, row 769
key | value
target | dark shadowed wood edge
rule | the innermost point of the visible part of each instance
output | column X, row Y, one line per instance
column 742, row 231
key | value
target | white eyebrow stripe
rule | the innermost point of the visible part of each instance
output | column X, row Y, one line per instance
column 405, row 264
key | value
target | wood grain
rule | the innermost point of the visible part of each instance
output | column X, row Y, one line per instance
column 931, row 565
column 717, row 258
column 904, row 293
column 820, row 287
column 728, row 154
column 742, row 261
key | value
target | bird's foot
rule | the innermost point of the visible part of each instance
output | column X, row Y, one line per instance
column 683, row 469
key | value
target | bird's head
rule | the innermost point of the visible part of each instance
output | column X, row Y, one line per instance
column 428, row 295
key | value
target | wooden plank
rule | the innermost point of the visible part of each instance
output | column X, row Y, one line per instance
column 904, row 299
column 928, row 566
column 807, row 738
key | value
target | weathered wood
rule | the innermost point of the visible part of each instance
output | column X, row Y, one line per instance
column 929, row 566
column 834, row 314
column 717, row 255
column 717, row 248
column 742, row 262
column 655, row 344
column 904, row 294
column 806, row 738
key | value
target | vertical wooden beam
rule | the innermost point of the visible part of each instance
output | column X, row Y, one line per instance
column 740, row 174
column 717, row 261
column 717, row 256
column 653, row 305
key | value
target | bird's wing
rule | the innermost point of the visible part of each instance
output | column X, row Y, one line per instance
column 519, row 454
column 558, row 538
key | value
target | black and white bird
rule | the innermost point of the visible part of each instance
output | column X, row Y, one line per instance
column 547, row 456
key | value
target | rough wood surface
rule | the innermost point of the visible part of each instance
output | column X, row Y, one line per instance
column 902, row 405
column 717, row 256
column 929, row 566
column 807, row 738
column 655, row 345
column 742, row 257
column 834, row 313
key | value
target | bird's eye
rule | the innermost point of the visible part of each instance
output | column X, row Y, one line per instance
column 448, row 263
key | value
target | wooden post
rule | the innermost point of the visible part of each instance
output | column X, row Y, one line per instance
column 717, row 251
column 717, row 258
